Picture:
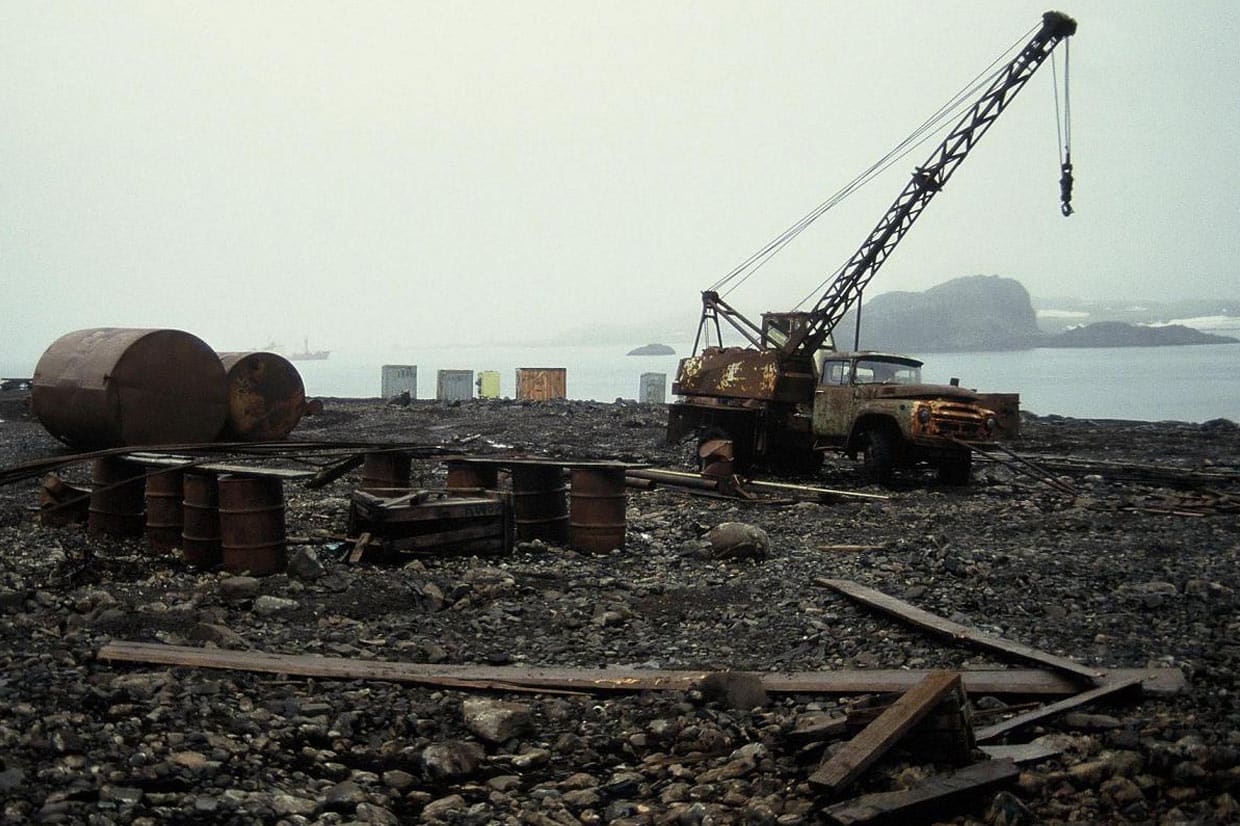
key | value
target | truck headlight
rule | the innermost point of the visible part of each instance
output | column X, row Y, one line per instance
column 991, row 424
column 923, row 415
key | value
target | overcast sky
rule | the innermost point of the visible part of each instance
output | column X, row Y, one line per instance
column 366, row 173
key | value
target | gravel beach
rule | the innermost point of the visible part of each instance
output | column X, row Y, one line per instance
column 1125, row 570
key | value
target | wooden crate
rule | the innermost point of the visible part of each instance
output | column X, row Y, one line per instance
column 432, row 522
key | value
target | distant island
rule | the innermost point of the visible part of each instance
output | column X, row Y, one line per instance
column 990, row 313
column 652, row 350
column 1121, row 334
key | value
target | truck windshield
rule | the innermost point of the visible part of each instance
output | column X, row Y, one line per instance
column 874, row 371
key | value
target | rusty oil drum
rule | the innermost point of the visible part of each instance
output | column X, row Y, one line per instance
column 266, row 397
column 117, row 498
column 252, row 535
column 471, row 476
column 113, row 386
column 538, row 503
column 164, row 513
column 200, row 531
column 596, row 509
column 386, row 470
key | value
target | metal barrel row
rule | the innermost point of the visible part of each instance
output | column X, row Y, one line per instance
column 532, row 383
column 116, row 387
column 587, row 514
column 232, row 520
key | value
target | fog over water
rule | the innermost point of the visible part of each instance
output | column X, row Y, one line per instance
column 390, row 175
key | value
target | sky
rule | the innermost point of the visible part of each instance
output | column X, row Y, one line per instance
column 379, row 174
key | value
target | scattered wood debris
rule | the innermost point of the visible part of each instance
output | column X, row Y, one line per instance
column 840, row 769
column 999, row 682
column 1037, row 715
column 929, row 801
column 962, row 633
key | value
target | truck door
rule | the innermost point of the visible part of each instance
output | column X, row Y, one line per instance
column 833, row 402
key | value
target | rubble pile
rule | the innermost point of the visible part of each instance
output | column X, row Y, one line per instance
column 1088, row 575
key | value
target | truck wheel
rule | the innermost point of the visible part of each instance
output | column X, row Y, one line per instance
column 879, row 457
column 955, row 470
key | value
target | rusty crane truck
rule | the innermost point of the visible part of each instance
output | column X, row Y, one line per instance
column 790, row 395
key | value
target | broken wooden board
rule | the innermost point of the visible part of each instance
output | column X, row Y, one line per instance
column 933, row 800
column 1022, row 754
column 840, row 769
column 432, row 522
column 997, row 730
column 1163, row 682
column 932, row 622
column 159, row 460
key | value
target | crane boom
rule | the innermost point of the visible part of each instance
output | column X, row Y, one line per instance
column 846, row 289
column 777, row 401
column 806, row 331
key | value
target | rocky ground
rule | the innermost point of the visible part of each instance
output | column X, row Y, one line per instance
column 1082, row 575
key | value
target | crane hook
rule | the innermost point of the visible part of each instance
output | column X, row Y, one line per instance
column 1065, row 187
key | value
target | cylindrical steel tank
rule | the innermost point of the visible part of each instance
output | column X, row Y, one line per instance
column 596, row 509
column 252, row 535
column 116, row 498
column 164, row 519
column 266, row 397
column 111, row 387
column 200, row 532
column 538, row 504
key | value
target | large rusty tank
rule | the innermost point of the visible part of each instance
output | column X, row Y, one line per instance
column 266, row 397
column 115, row 386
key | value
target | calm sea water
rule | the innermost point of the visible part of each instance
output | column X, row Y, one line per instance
column 1191, row 384
column 1144, row 383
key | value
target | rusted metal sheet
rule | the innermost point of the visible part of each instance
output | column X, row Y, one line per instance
column 541, row 383
column 252, row 537
column 1006, row 407
column 596, row 509
column 266, row 397
column 111, row 387
column 732, row 372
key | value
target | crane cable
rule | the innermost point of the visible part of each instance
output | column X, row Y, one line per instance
column 932, row 125
column 1064, row 133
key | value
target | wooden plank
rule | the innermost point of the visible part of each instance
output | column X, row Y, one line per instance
column 858, row 754
column 997, row 730
column 933, row 800
column 155, row 460
column 1023, row 682
column 961, row 633
column 1022, row 754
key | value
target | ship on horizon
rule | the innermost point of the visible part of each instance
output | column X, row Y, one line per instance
column 306, row 353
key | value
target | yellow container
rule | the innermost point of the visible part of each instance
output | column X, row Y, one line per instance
column 488, row 384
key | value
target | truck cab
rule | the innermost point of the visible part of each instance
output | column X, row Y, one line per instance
column 876, row 406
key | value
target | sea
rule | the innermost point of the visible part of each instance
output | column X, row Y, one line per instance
column 1188, row 383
